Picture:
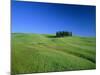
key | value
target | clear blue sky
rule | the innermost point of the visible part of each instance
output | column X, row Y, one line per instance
column 47, row 18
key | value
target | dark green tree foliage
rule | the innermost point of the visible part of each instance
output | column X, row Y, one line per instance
column 63, row 34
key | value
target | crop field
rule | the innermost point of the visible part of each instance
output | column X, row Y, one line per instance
column 36, row 53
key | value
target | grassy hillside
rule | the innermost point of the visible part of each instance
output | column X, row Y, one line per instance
column 32, row 53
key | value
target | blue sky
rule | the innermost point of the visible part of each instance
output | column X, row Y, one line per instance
column 47, row 18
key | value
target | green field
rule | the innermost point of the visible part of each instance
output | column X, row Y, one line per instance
column 33, row 53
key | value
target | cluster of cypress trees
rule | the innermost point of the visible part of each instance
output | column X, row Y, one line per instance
column 63, row 34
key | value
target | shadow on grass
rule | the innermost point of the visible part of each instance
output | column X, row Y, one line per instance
column 54, row 36
column 51, row 36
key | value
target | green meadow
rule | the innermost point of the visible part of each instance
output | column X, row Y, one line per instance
column 36, row 53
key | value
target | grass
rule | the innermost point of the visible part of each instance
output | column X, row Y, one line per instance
column 35, row 53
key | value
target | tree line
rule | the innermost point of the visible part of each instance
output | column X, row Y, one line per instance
column 63, row 33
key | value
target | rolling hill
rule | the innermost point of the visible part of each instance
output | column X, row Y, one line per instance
column 35, row 53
